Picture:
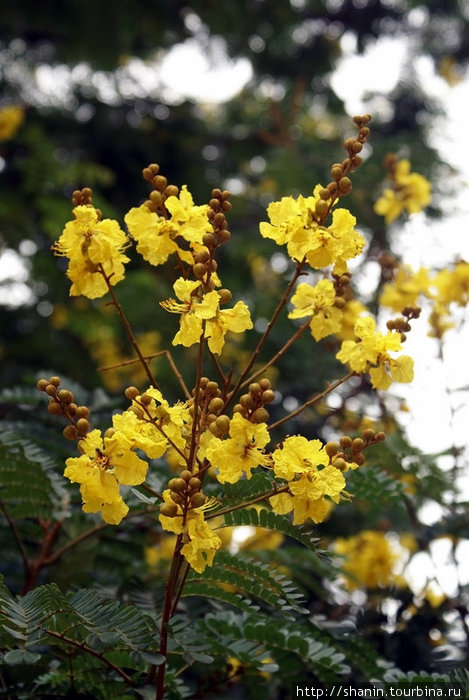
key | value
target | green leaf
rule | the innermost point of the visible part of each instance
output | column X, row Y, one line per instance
column 272, row 521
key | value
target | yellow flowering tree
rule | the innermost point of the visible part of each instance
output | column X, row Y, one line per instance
column 192, row 471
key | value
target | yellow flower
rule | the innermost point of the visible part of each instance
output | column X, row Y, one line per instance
column 11, row 119
column 370, row 353
column 317, row 302
column 405, row 289
column 200, row 542
column 157, row 236
column 411, row 192
column 297, row 462
column 91, row 243
column 241, row 452
column 293, row 224
column 196, row 307
column 142, row 430
column 370, row 560
column 104, row 464
column 237, row 320
column 351, row 312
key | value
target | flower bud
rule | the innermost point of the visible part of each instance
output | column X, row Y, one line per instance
column 54, row 408
column 169, row 510
column 70, row 432
column 211, row 387
column 131, row 392
column 82, row 411
column 177, row 484
column 65, row 396
column 254, row 388
column 199, row 270
column 368, row 434
column 223, row 424
column 268, row 396
column 331, row 448
column 340, row 464
column 83, row 425
column 41, row 385
column 215, row 405
column 195, row 484
column 345, row 442
column 264, row 384
column 186, row 475
column 198, row 500
column 54, row 380
column 357, row 444
column 381, row 436
column 260, row 415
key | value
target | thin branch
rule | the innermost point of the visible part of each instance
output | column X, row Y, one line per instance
column 270, row 325
column 313, row 400
column 219, row 369
column 96, row 654
column 279, row 354
column 19, row 541
column 128, row 328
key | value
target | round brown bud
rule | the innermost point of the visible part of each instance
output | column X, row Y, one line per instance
column 356, row 147
column 337, row 171
column 177, row 484
column 226, row 194
column 260, row 415
column 156, row 198
column 219, row 219
column 226, row 206
column 359, row 459
column 332, row 188
column 82, row 411
column 364, row 132
column 51, row 390
column 264, row 383
column 131, row 392
column 204, row 381
column 159, row 182
column 177, row 498
column 41, row 385
column 171, row 191
column 357, row 444
column 214, row 204
column 268, row 396
column 345, row 185
column 331, row 448
column 54, row 380
column 238, row 408
column 83, row 425
column 357, row 161
column 186, row 475
column 146, row 399
column 210, row 418
column 225, row 296
column 348, row 143
column 339, row 302
column 199, row 270
column 381, row 436
column 72, row 408
column 216, row 192
column 369, row 434
column 345, row 442
column 340, row 464
column 321, row 207
column 195, row 484
column 213, row 265
column 246, row 401
column 255, row 388
column 70, row 432
column 54, row 408
column 202, row 256
column 211, row 387
column 109, row 432
column 223, row 424
column 223, row 235
column 65, row 396
column 215, row 405
column 169, row 510
column 198, row 500
column 324, row 193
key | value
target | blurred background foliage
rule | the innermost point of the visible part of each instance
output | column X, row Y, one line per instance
column 98, row 107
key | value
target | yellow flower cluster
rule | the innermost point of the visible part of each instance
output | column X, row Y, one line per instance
column 297, row 461
column 200, row 542
column 370, row 560
column 94, row 247
column 11, row 119
column 411, row 192
column 292, row 224
column 317, row 302
column 370, row 353
column 106, row 463
column 198, row 309
column 157, row 237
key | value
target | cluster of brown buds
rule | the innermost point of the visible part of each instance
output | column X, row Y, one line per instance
column 389, row 266
column 185, row 491
column 161, row 189
column 61, row 403
column 340, row 183
column 402, row 323
column 211, row 404
column 350, row 450
column 82, row 197
column 343, row 291
column 252, row 405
